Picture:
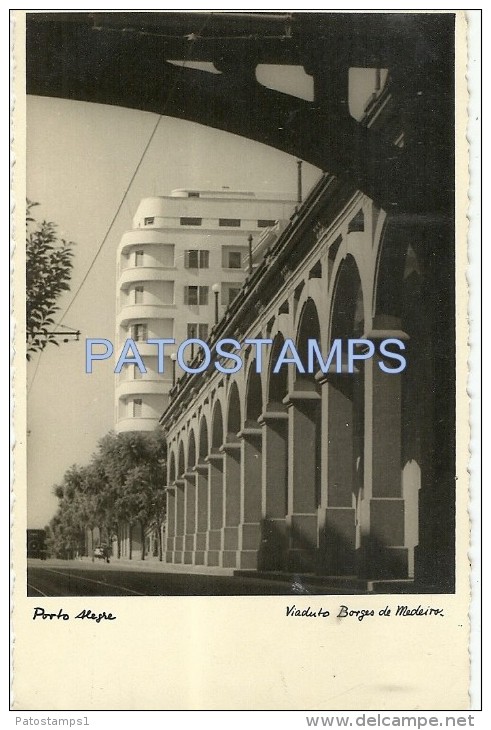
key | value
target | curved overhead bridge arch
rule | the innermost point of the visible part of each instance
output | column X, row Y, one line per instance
column 124, row 59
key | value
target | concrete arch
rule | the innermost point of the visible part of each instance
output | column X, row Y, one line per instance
column 172, row 468
column 308, row 328
column 234, row 100
column 181, row 462
column 365, row 268
column 314, row 291
column 254, row 395
column 239, row 380
column 283, row 323
column 347, row 316
column 276, row 383
column 283, row 326
column 389, row 274
column 191, row 450
column 217, row 432
column 234, row 412
column 203, row 442
column 360, row 245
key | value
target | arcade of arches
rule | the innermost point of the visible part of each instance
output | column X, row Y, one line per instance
column 343, row 475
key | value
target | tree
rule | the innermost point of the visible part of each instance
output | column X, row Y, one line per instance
column 134, row 464
column 145, row 499
column 76, row 512
column 122, row 484
column 48, row 270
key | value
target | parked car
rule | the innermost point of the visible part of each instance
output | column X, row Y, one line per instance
column 102, row 552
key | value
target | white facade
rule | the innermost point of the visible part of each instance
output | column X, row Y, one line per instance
column 179, row 247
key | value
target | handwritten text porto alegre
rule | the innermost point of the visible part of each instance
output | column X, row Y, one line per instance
column 40, row 613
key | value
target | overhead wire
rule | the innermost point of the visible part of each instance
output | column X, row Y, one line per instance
column 113, row 220
column 96, row 256
column 140, row 162
column 123, row 198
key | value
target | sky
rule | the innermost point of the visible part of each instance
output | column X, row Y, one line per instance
column 80, row 159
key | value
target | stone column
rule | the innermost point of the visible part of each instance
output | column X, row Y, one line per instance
column 171, row 524
column 302, row 517
column 180, row 527
column 231, row 503
column 274, row 543
column 202, row 504
column 337, row 514
column 215, row 508
column 385, row 553
column 250, row 497
column 190, row 516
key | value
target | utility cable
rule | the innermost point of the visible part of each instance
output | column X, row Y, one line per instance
column 123, row 199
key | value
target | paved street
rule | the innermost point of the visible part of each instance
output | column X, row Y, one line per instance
column 83, row 578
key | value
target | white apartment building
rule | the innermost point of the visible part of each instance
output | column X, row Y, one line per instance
column 180, row 265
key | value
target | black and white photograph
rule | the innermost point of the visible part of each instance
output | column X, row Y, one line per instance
column 242, row 324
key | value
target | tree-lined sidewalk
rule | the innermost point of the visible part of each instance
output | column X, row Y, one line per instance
column 123, row 484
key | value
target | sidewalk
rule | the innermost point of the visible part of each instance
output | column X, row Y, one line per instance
column 155, row 565
column 299, row 583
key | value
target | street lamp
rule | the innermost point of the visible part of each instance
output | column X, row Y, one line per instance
column 173, row 357
column 216, row 290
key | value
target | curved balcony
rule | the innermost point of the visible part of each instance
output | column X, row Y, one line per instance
column 145, row 273
column 142, row 312
column 136, row 424
column 143, row 237
column 144, row 387
column 144, row 348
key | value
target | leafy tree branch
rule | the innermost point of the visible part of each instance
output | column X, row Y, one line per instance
column 48, row 271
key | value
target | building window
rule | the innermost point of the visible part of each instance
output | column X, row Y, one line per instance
column 138, row 295
column 229, row 222
column 139, row 332
column 234, row 260
column 265, row 223
column 197, row 259
column 137, row 407
column 190, row 221
column 197, row 330
column 193, row 195
column 138, row 258
column 195, row 295
column 149, row 221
